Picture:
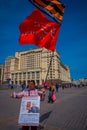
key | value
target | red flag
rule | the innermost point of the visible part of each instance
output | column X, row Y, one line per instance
column 38, row 30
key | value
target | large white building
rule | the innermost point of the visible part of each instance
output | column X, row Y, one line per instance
column 1, row 73
column 34, row 64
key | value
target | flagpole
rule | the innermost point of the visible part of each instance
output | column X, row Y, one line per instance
column 49, row 66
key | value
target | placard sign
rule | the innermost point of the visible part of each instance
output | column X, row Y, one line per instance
column 29, row 111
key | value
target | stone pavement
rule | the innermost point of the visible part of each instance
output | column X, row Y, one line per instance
column 69, row 112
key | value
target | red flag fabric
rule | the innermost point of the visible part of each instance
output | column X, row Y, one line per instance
column 37, row 29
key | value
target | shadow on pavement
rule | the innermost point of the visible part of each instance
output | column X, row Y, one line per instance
column 45, row 116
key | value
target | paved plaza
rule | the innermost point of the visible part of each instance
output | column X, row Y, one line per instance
column 69, row 112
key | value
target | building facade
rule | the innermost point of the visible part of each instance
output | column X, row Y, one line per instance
column 11, row 64
column 1, row 73
column 34, row 64
column 65, row 72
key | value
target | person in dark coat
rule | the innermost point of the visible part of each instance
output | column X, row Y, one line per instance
column 57, row 87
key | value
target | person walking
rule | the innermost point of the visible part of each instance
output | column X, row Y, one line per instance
column 51, row 92
column 57, row 87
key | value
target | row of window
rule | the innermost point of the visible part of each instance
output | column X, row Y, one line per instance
column 26, row 75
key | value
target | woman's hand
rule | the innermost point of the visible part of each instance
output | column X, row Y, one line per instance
column 13, row 95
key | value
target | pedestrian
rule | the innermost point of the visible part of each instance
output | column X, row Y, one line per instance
column 57, row 87
column 51, row 92
column 63, row 86
column 12, row 86
column 23, row 86
column 31, row 91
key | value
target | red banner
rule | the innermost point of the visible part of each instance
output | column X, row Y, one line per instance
column 38, row 30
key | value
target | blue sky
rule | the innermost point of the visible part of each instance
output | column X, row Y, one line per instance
column 71, row 42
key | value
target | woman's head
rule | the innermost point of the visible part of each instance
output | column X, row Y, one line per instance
column 32, row 84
